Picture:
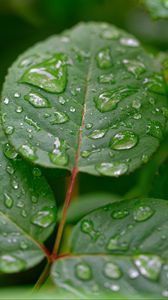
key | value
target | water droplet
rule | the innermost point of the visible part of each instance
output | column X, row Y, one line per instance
column 110, row 34
column 15, row 184
column 154, row 128
column 86, row 153
column 9, row 151
column 136, row 104
column 8, row 201
column 32, row 123
column 59, row 156
column 106, row 78
column 115, row 244
column 108, row 101
column 104, row 59
column 6, row 101
column 155, row 84
column 10, row 169
column 59, row 118
column 124, row 140
column 87, row 226
column 137, row 116
column 149, row 265
column 111, row 270
column 17, row 95
column 28, row 151
column 83, row 271
column 11, row 264
column 130, row 42
column 50, row 75
column 135, row 67
column 9, row 130
column 97, row 134
column 61, row 100
column 23, row 245
column 119, row 214
column 44, row 218
column 133, row 273
column 37, row 100
column 19, row 109
column 112, row 169
column 72, row 109
column 142, row 213
column 89, row 125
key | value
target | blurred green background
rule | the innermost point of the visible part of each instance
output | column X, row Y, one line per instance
column 25, row 22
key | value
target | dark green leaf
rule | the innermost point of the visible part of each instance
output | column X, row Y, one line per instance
column 119, row 247
column 157, row 8
column 27, row 212
column 91, row 97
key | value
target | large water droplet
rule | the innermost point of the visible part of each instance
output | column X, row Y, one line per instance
column 104, row 59
column 97, row 134
column 8, row 201
column 108, row 100
column 112, row 169
column 50, row 75
column 135, row 67
column 124, row 140
column 142, row 213
column 28, row 151
column 59, row 118
column 11, row 264
column 37, row 100
column 149, row 265
column 83, row 271
column 59, row 156
column 111, row 270
column 44, row 218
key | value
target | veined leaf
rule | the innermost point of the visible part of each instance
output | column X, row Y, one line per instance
column 157, row 8
column 121, row 247
column 90, row 98
column 27, row 211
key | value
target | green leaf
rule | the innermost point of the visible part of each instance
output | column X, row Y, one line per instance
column 90, row 98
column 120, row 247
column 157, row 8
column 27, row 212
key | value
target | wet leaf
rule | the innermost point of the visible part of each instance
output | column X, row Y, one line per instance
column 158, row 9
column 109, row 255
column 91, row 97
column 27, row 212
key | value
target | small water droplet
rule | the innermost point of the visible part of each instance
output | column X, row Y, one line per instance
column 17, row 95
column 106, row 78
column 115, row 244
column 87, row 226
column 89, row 125
column 129, row 41
column 136, row 104
column 59, row 156
column 148, row 265
column 112, row 169
column 72, row 109
column 23, row 245
column 8, row 201
column 119, row 214
column 9, row 151
column 154, row 128
column 143, row 213
column 124, row 140
column 97, row 134
column 110, row 34
column 44, row 218
column 59, row 118
column 11, row 264
column 135, row 67
column 86, row 153
column 111, row 270
column 104, row 59
column 37, row 100
column 28, row 151
column 6, row 101
column 15, row 184
column 83, row 271
column 108, row 101
column 9, row 130
column 133, row 273
column 10, row 169
column 32, row 123
column 155, row 84
column 50, row 75
column 19, row 109
column 61, row 100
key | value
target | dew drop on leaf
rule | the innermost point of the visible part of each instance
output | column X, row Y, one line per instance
column 59, row 118
column 135, row 67
column 59, row 156
column 119, row 214
column 106, row 78
column 11, row 264
column 97, row 134
column 124, row 140
column 143, row 213
column 9, row 130
column 104, row 59
column 111, row 270
column 112, row 169
column 115, row 244
column 83, row 271
column 129, row 42
column 37, row 100
column 155, row 129
column 28, row 151
column 8, row 201
column 50, row 75
column 87, row 226
column 110, row 34
column 9, row 151
column 149, row 265
column 43, row 218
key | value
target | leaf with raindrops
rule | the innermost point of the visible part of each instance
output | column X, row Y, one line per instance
column 27, row 211
column 120, row 247
column 90, row 98
column 157, row 8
